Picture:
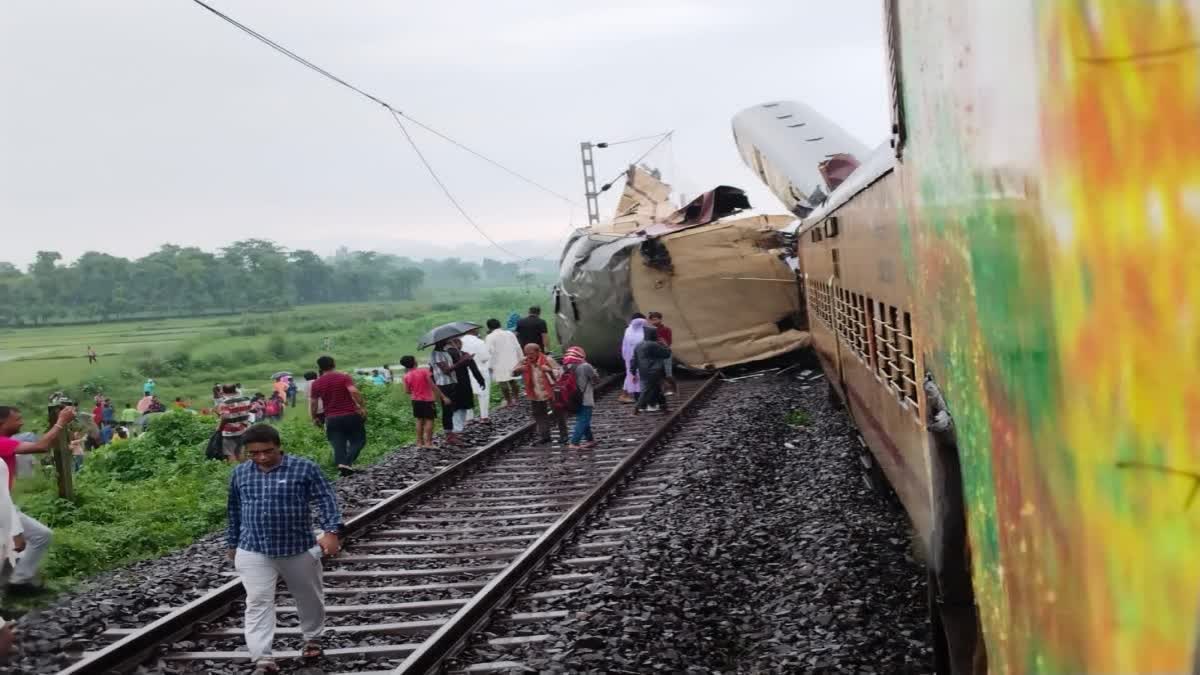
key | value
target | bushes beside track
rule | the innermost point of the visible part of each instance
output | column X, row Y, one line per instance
column 146, row 496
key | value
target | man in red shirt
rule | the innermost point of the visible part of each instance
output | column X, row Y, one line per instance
column 345, row 415
column 664, row 336
column 33, row 537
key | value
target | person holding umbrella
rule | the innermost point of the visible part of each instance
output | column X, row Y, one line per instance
column 468, row 377
column 444, row 367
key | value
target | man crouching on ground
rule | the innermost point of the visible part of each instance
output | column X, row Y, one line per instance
column 270, row 535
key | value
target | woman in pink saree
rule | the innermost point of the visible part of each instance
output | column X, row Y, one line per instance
column 634, row 334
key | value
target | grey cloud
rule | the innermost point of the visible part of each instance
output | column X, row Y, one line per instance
column 131, row 123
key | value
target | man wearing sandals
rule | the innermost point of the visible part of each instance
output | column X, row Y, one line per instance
column 270, row 536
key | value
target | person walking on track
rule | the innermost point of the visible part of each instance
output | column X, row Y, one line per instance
column 533, row 329
column 539, row 372
column 504, row 352
column 476, row 347
column 649, row 363
column 270, row 536
column 418, row 382
column 665, row 336
column 467, row 377
column 345, row 413
column 575, row 361
column 444, row 367
column 634, row 334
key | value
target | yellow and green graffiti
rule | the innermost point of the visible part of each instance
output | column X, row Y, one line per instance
column 1053, row 172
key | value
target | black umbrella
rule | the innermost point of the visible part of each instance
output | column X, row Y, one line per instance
column 445, row 332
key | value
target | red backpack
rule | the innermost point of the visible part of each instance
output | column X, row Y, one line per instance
column 272, row 408
column 566, row 392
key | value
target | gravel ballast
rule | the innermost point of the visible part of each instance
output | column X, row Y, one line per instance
column 768, row 556
column 126, row 598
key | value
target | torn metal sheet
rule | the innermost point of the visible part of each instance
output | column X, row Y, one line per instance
column 724, row 287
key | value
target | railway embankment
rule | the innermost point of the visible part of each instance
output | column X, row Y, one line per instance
column 767, row 555
column 135, row 594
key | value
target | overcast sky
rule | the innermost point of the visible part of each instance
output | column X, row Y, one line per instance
column 127, row 124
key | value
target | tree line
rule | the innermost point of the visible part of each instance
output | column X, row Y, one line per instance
column 248, row 274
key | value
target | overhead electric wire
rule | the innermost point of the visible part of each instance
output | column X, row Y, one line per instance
column 609, row 144
column 446, row 190
column 662, row 138
column 396, row 114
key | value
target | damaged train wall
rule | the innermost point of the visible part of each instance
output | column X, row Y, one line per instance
column 727, row 295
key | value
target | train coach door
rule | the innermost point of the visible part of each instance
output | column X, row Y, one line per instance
column 839, row 318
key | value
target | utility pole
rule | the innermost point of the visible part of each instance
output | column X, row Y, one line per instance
column 61, row 453
column 589, row 182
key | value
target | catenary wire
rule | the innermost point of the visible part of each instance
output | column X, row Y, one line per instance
column 375, row 99
column 609, row 144
column 661, row 139
column 429, row 167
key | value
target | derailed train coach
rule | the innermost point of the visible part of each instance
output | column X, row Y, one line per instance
column 1006, row 297
column 716, row 271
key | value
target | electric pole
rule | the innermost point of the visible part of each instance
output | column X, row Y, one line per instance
column 589, row 182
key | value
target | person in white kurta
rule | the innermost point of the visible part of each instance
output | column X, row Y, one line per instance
column 505, row 353
column 472, row 345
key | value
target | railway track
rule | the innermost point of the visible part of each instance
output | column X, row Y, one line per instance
column 425, row 567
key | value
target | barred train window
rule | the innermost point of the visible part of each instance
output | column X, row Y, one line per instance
column 884, row 354
column 894, row 347
column 908, row 360
column 874, row 335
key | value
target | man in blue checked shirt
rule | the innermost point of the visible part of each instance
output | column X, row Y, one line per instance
column 270, row 535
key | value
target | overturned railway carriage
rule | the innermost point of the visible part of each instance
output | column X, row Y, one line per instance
column 1007, row 299
column 715, row 272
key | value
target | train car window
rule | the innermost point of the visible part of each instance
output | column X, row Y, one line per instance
column 574, row 308
column 897, row 374
column 797, row 125
column 873, row 338
column 891, row 15
column 816, row 235
column 831, row 227
column 784, row 117
column 860, row 312
column 557, row 299
column 837, row 272
column 909, row 360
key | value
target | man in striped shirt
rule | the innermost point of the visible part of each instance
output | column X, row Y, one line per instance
column 234, row 410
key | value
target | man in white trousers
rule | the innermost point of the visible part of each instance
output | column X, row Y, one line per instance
column 504, row 352
column 270, row 536
column 473, row 345
column 10, row 528
column 33, row 538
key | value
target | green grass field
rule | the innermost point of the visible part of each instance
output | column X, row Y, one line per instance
column 155, row 493
column 187, row 356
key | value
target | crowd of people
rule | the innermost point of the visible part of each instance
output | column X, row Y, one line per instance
column 269, row 531
column 461, row 370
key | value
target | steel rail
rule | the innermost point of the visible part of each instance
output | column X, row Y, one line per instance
column 451, row 636
column 127, row 653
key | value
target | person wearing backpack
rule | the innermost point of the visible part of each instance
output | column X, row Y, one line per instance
column 582, row 398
